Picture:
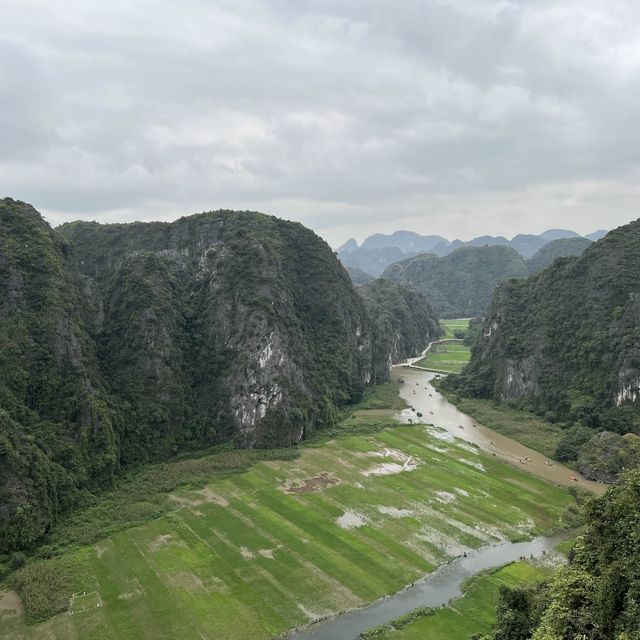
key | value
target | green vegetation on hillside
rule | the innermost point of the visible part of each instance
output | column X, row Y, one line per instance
column 561, row 248
column 461, row 283
column 401, row 320
column 566, row 342
column 129, row 343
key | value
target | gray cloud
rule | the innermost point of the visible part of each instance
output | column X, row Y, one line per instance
column 352, row 116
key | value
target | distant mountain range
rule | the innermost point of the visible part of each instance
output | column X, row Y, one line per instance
column 461, row 283
column 379, row 251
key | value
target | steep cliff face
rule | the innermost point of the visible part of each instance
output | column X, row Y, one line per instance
column 567, row 341
column 460, row 284
column 401, row 320
column 246, row 319
column 126, row 343
column 57, row 427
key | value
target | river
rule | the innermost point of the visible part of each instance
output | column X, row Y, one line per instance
column 437, row 410
column 434, row 590
column 444, row 584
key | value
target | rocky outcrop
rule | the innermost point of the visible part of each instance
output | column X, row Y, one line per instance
column 130, row 342
column 566, row 342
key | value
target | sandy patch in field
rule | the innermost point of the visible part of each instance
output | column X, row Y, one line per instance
column 473, row 463
column 440, row 434
column 159, row 542
column 351, row 520
column 447, row 546
column 317, row 483
column 435, row 447
column 490, row 531
column 10, row 604
column 468, row 447
column 186, row 580
column 445, row 497
column 246, row 554
column 394, row 512
column 101, row 549
column 403, row 462
column 135, row 589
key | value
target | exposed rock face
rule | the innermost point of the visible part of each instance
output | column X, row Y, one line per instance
column 127, row 343
column 567, row 341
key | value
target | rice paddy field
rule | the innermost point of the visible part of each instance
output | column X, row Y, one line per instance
column 450, row 326
column 286, row 542
column 450, row 355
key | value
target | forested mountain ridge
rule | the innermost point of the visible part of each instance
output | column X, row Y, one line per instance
column 379, row 250
column 460, row 284
column 566, row 342
column 560, row 248
column 126, row 343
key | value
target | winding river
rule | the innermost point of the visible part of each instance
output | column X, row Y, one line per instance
column 434, row 590
column 444, row 584
column 418, row 392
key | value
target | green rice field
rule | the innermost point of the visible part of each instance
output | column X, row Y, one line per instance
column 450, row 326
column 470, row 614
column 450, row 355
column 285, row 542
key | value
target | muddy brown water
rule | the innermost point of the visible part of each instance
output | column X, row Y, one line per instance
column 437, row 410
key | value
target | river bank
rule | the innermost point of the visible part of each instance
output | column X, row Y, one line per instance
column 420, row 394
column 434, row 590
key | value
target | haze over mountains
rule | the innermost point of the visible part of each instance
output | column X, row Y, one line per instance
column 378, row 251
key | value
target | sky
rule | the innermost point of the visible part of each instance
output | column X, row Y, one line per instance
column 451, row 117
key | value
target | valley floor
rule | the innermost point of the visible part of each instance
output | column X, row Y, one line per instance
column 288, row 542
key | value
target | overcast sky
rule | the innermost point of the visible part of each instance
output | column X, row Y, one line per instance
column 457, row 117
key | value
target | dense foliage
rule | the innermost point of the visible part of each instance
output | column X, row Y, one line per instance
column 563, row 247
column 126, row 343
column 401, row 319
column 595, row 597
column 565, row 343
column 460, row 284
column 358, row 276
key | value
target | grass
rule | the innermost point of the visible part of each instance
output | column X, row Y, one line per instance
column 450, row 356
column 524, row 427
column 470, row 614
column 261, row 542
column 450, row 326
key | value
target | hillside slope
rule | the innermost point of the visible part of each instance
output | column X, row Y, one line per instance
column 131, row 342
column 560, row 248
column 566, row 342
column 460, row 284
